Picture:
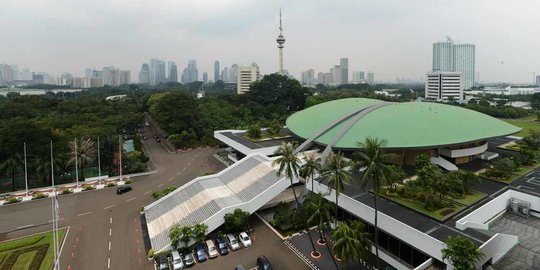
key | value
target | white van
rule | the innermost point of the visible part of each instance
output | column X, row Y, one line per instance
column 211, row 248
column 233, row 243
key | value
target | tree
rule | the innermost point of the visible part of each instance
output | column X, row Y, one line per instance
column 310, row 167
column 85, row 152
column 289, row 165
column 375, row 161
column 352, row 242
column 422, row 161
column 199, row 231
column 186, row 232
column 174, row 235
column 319, row 213
column 394, row 177
column 10, row 166
column 462, row 253
column 336, row 174
column 274, row 127
column 254, row 132
column 468, row 178
column 236, row 221
column 501, row 168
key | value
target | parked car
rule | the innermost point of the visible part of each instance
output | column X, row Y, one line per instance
column 163, row 263
column 201, row 254
column 123, row 189
column 188, row 259
column 233, row 243
column 263, row 263
column 157, row 138
column 144, row 137
column 239, row 267
column 244, row 239
column 222, row 246
column 177, row 262
column 212, row 250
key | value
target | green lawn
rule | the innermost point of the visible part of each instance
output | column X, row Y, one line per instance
column 267, row 137
column 470, row 199
column 24, row 259
column 515, row 175
column 527, row 123
column 419, row 207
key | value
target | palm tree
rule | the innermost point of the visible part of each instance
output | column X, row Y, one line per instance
column 320, row 213
column 11, row 165
column 375, row 163
column 352, row 242
column 310, row 167
column 337, row 175
column 43, row 168
column 461, row 253
column 289, row 164
column 86, row 151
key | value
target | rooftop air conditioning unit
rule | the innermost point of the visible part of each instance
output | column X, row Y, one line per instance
column 519, row 207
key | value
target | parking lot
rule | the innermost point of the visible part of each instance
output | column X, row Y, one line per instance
column 264, row 242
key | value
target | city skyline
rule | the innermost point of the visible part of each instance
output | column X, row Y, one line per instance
column 225, row 27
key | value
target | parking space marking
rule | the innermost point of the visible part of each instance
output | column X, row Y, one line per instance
column 110, row 206
column 25, row 226
column 84, row 214
column 147, row 192
column 110, row 232
column 109, row 245
column 129, row 200
column 110, row 220
column 160, row 185
column 109, row 263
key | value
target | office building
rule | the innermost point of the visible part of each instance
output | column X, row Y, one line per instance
column 172, row 72
column 308, row 77
column 216, row 71
column 344, row 70
column 444, row 86
column 451, row 57
column 246, row 75
column 157, row 71
column 336, row 73
column 205, row 77
column 358, row 77
column 190, row 74
column 124, row 77
column 370, row 77
column 538, row 80
column 144, row 74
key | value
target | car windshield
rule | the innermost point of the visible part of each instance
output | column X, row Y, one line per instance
column 221, row 245
column 212, row 248
column 245, row 237
column 234, row 242
column 177, row 261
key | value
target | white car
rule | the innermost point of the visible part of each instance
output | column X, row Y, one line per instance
column 177, row 262
column 244, row 239
column 211, row 248
column 233, row 243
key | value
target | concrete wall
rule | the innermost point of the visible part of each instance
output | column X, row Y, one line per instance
column 240, row 147
column 463, row 152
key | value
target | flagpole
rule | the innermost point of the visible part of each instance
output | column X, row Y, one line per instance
column 120, row 154
column 25, row 171
column 53, row 197
column 76, row 164
column 98, row 160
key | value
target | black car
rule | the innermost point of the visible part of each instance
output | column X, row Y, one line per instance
column 123, row 189
column 188, row 259
column 163, row 263
column 222, row 246
column 263, row 263
column 157, row 138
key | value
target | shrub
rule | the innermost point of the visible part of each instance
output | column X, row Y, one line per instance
column 128, row 181
column 151, row 253
column 111, row 184
column 236, row 221
column 89, row 187
column 446, row 212
column 39, row 196
column 422, row 197
column 12, row 200
column 157, row 194
column 66, row 191
column 254, row 132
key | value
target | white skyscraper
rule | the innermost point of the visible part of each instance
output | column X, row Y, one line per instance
column 451, row 57
column 246, row 75
column 444, row 86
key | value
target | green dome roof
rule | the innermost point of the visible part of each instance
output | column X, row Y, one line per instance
column 402, row 125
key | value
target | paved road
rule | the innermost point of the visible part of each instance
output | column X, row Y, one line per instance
column 105, row 230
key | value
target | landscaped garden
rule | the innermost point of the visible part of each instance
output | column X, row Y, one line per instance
column 528, row 124
column 33, row 252
column 272, row 132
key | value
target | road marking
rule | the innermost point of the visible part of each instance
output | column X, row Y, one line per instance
column 160, row 185
column 110, row 206
column 109, row 263
column 25, row 226
column 57, row 220
column 172, row 177
column 110, row 220
column 110, row 232
column 147, row 192
column 83, row 214
column 178, row 173
column 129, row 200
column 109, row 245
column 184, row 169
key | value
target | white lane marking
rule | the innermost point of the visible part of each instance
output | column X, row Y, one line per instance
column 57, row 220
column 160, row 185
column 109, row 245
column 110, row 220
column 110, row 232
column 109, row 263
column 178, row 173
column 25, row 226
column 189, row 163
column 83, row 214
column 129, row 200
column 110, row 206
column 170, row 179
column 147, row 192
column 184, row 169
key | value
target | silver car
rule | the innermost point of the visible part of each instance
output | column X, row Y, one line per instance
column 233, row 243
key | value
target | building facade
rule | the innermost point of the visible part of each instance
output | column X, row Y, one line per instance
column 246, row 75
column 216, row 71
column 444, row 86
column 344, row 70
column 451, row 57
column 144, row 74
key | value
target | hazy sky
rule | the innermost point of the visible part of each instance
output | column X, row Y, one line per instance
column 391, row 38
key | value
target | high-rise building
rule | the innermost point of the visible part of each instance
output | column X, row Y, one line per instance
column 216, row 71
column 246, row 75
column 144, row 74
column 444, row 86
column 358, row 77
column 451, row 57
column 205, row 77
column 320, row 77
column 538, row 80
column 344, row 66
column 308, row 77
column 173, row 72
column 124, row 77
column 233, row 73
column 336, row 72
column 88, row 73
column 190, row 74
column 280, row 41
column 157, row 71
column 328, row 78
column 225, row 74
column 370, row 77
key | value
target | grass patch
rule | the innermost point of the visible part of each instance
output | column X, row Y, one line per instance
column 516, row 174
column 267, row 137
column 527, row 123
column 32, row 252
column 440, row 214
column 470, row 199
